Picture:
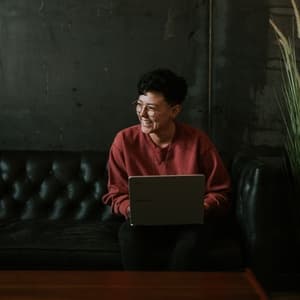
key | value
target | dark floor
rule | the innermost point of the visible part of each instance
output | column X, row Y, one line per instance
column 285, row 296
column 286, row 288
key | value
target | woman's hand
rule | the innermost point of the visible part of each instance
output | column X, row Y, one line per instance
column 128, row 212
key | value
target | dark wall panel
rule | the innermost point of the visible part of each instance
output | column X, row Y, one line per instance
column 68, row 68
column 245, row 110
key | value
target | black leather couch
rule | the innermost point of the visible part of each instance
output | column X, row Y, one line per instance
column 52, row 216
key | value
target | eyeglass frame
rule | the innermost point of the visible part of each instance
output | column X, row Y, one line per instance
column 151, row 111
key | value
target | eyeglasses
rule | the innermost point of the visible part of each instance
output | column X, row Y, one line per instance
column 150, row 109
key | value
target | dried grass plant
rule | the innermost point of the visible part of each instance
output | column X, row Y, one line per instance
column 290, row 100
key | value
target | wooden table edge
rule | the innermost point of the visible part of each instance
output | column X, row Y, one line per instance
column 255, row 284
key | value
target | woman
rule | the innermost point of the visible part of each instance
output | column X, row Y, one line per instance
column 161, row 145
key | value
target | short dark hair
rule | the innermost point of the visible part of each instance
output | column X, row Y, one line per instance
column 172, row 86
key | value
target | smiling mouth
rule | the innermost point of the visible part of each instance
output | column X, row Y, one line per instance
column 145, row 123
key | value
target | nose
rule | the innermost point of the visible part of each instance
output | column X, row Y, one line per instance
column 143, row 112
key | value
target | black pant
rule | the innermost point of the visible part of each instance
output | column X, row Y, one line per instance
column 165, row 247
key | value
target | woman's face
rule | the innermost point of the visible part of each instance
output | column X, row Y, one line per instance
column 155, row 113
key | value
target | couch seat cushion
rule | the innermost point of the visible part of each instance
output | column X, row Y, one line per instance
column 52, row 244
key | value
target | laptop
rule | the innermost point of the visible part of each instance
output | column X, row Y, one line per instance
column 166, row 199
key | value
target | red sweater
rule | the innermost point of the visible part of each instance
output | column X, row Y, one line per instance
column 191, row 152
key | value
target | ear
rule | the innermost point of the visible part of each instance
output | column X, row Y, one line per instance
column 176, row 109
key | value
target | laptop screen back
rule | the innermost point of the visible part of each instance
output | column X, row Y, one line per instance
column 166, row 199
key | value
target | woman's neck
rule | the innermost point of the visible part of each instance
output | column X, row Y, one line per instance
column 164, row 138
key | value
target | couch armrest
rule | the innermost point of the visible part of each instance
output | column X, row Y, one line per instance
column 250, row 198
column 259, row 189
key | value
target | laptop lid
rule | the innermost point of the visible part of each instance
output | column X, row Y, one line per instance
column 166, row 199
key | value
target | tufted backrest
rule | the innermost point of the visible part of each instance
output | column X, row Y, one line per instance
column 52, row 185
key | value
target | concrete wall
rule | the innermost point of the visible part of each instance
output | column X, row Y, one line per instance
column 68, row 68
column 247, row 74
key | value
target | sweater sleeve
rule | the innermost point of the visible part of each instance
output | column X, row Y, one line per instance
column 216, row 199
column 117, row 195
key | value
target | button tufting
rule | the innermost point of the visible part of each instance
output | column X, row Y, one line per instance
column 56, row 185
